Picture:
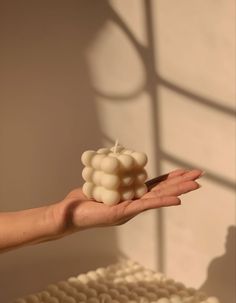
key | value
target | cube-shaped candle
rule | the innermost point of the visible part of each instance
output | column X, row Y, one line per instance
column 114, row 175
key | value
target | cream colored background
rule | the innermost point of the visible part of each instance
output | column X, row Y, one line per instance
column 160, row 76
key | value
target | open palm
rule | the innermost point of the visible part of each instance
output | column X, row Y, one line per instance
column 76, row 212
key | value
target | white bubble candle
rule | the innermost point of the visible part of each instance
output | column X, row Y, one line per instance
column 114, row 175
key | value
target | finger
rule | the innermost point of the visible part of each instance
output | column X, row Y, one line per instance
column 188, row 176
column 138, row 206
column 174, row 190
column 178, row 172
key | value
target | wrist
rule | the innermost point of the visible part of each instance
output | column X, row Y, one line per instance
column 44, row 225
column 49, row 222
column 59, row 219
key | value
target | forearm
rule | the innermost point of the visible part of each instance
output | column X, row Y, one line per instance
column 27, row 227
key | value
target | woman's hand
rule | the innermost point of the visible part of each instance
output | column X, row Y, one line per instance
column 76, row 212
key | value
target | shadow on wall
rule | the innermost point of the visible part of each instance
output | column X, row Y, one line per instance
column 223, row 267
column 148, row 56
column 48, row 118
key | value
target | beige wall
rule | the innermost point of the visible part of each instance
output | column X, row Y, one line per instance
column 157, row 75
column 164, row 74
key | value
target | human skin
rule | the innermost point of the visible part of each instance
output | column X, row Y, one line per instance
column 75, row 212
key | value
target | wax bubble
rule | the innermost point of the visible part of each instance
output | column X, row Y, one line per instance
column 87, row 173
column 32, row 299
column 175, row 299
column 20, row 300
column 90, row 292
column 88, row 189
column 212, row 300
column 114, row 155
column 97, row 177
column 130, row 278
column 140, row 158
column 83, row 278
column 133, row 296
column 87, row 157
column 179, row 285
column 141, row 290
column 201, row 295
column 162, row 292
column 109, row 164
column 100, row 288
column 101, row 271
column 97, row 193
column 103, row 151
column 96, row 161
column 169, row 281
column 117, row 149
column 183, row 293
column 69, row 300
column 151, row 296
column 158, row 276
column 110, row 197
column 140, row 191
column 163, row 300
column 127, row 151
column 191, row 290
column 81, row 296
column 110, row 181
column 105, row 297
column 63, row 285
column 52, row 288
column 93, row 275
column 126, row 162
column 114, row 293
column 44, row 295
column 127, row 194
column 72, row 280
column 71, row 290
column 127, row 179
column 123, row 299
column 141, row 176
column 172, row 289
column 93, row 300
column 143, row 299
column 123, row 289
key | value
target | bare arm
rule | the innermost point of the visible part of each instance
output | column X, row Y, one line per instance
column 26, row 227
column 76, row 212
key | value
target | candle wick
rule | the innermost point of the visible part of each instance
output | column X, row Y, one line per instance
column 116, row 145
